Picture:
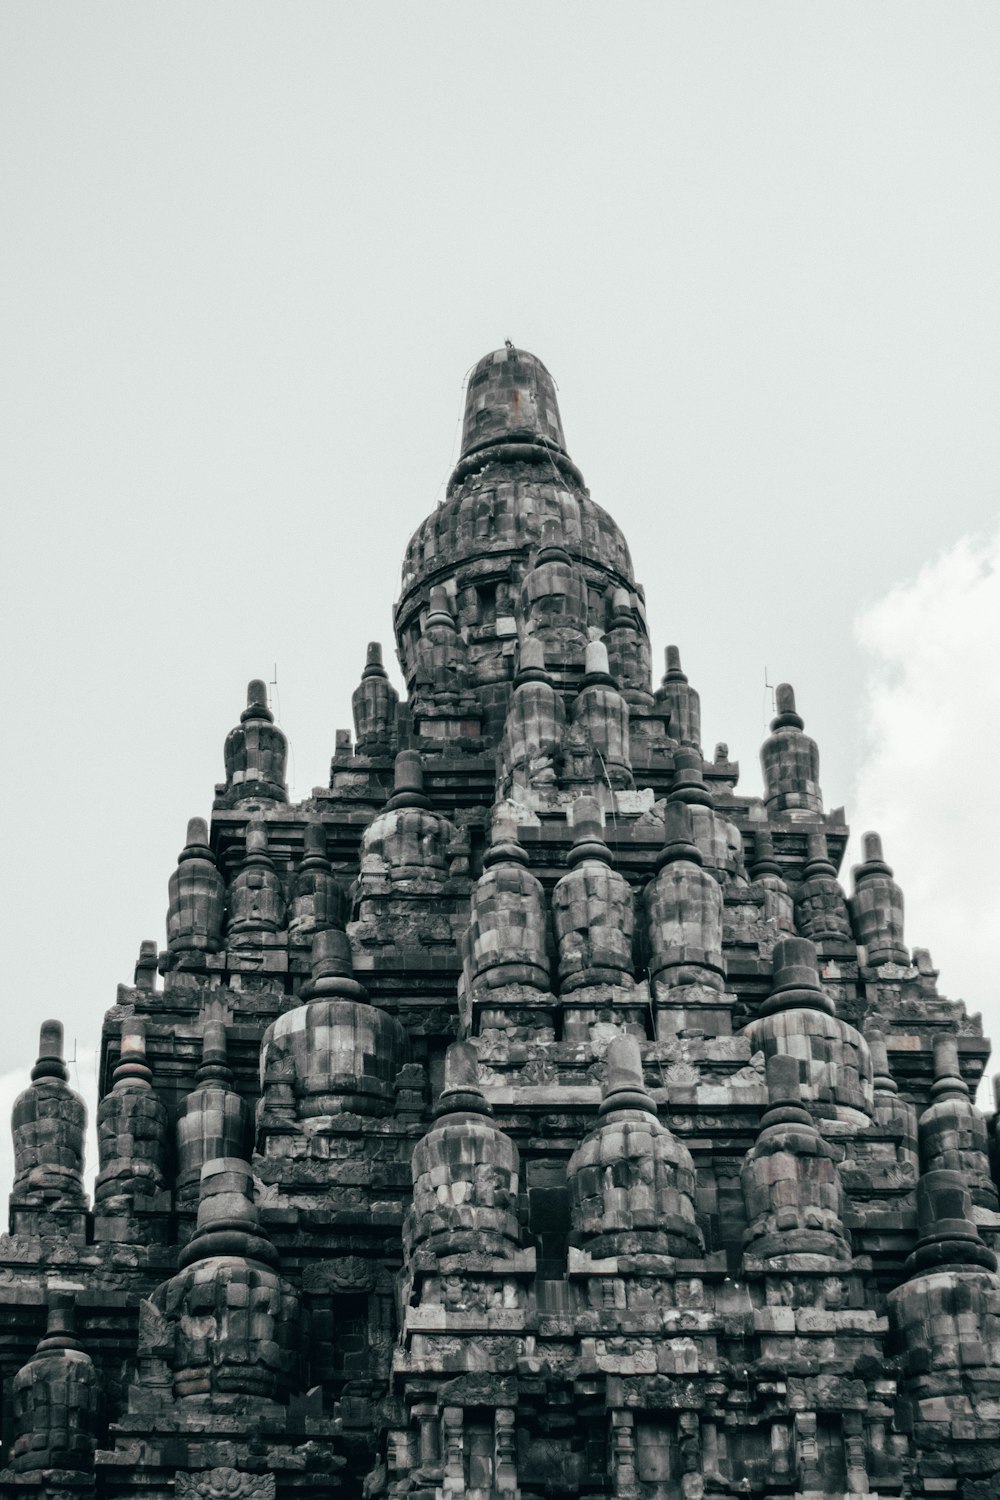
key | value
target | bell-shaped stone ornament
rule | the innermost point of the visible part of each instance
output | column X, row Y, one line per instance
column 197, row 896
column 255, row 753
column 877, row 908
column 55, row 1401
column 790, row 761
column 679, row 698
column 48, row 1122
column 631, row 1182
column 375, row 703
column 465, row 1173
column 256, row 897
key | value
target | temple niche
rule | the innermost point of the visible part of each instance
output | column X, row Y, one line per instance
column 532, row 1110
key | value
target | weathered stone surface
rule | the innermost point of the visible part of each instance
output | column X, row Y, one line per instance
column 633, row 1238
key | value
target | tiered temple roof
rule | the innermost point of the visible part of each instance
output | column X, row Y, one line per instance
column 528, row 1112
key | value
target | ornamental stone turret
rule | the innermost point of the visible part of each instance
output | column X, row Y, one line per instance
column 233, row 1327
column 466, row 1173
column 197, row 895
column 333, row 1055
column 592, row 911
column 55, row 1404
column 554, row 602
column 534, row 727
column 375, row 703
column 765, row 872
column 49, row 1122
column 683, row 908
column 404, row 850
column 945, row 1324
column 631, row 1182
column 821, row 913
column 505, row 947
column 628, row 650
column 877, row 908
column 255, row 753
column 719, row 840
column 679, row 698
column 790, row 761
column 131, row 1135
column 791, row 1183
column 318, row 899
column 442, row 659
column 798, row 1019
column 213, row 1120
column 256, row 898
column 601, row 715
column 953, row 1133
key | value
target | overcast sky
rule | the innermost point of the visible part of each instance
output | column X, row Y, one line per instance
column 248, row 253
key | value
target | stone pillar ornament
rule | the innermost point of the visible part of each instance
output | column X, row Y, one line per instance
column 821, row 912
column 255, row 753
column 600, row 715
column 678, row 697
column 531, row 745
column 953, row 1133
column 131, row 1135
column 256, row 899
column 877, row 908
column 318, row 899
column 790, row 761
column 213, row 1120
column 631, row 1182
column 375, row 703
column 55, row 1404
column 49, row 1122
column 197, row 896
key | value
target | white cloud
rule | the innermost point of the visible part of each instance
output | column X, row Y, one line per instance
column 928, row 781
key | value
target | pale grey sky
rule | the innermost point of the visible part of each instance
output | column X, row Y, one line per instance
column 248, row 253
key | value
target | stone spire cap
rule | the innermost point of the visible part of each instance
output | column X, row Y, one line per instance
column 504, row 844
column 872, row 863
column 784, row 700
column 197, row 846
column 624, row 1086
column 689, row 779
column 60, row 1325
column 50, row 1053
column 531, row 662
column 818, row 861
column 673, row 665
column 214, row 1070
column 408, row 781
column 947, row 1234
column 511, row 398
column 948, row 1081
column 678, row 837
column 228, row 1223
column 796, row 983
column 257, row 702
column 462, row 1093
column 132, row 1071
column 764, row 862
column 373, row 662
column 332, row 968
column 597, row 668
column 587, row 832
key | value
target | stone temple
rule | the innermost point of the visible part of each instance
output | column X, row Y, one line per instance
column 527, row 1112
